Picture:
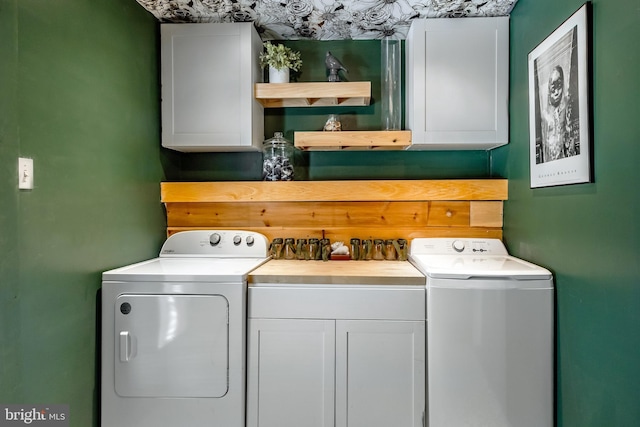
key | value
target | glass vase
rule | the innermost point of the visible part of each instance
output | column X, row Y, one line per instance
column 390, row 73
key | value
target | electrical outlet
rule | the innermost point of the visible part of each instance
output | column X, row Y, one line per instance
column 25, row 173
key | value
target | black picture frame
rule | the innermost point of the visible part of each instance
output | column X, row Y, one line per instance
column 560, row 105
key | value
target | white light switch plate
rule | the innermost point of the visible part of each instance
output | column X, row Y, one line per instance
column 25, row 173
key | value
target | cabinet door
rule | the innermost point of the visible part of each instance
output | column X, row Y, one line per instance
column 457, row 83
column 208, row 74
column 380, row 373
column 291, row 368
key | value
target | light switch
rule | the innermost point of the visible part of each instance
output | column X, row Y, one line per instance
column 25, row 173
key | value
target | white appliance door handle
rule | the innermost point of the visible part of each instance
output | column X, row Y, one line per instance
column 125, row 346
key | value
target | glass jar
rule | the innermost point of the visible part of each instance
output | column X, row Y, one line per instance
column 314, row 249
column 277, row 164
column 389, row 250
column 367, row 250
column 289, row 249
column 355, row 249
column 302, row 250
column 378, row 250
column 402, row 249
column 275, row 249
column 325, row 249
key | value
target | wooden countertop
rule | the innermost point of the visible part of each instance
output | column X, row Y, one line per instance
column 337, row 272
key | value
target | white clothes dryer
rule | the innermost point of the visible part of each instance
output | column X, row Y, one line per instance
column 490, row 335
column 173, row 333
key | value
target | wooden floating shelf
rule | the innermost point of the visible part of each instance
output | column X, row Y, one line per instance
column 353, row 140
column 334, row 191
column 313, row 94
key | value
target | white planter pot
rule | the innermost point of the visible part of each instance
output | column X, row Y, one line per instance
column 278, row 76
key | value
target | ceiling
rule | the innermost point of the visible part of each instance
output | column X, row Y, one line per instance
column 323, row 19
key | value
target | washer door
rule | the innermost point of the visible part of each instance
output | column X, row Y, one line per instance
column 171, row 345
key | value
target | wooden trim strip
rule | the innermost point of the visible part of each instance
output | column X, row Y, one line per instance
column 346, row 233
column 335, row 191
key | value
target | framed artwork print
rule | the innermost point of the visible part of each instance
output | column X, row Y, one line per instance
column 559, row 105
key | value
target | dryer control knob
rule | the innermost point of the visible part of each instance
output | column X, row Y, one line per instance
column 250, row 241
column 458, row 245
column 237, row 240
column 214, row 239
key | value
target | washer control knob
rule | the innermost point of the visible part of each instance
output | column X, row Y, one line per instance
column 214, row 239
column 237, row 240
column 250, row 240
column 458, row 245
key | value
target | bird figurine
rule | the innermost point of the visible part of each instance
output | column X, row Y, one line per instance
column 334, row 66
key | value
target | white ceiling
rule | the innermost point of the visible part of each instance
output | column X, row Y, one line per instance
column 323, row 19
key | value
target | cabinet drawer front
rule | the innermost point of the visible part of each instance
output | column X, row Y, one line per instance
column 337, row 302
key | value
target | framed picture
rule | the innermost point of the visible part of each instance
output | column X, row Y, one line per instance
column 559, row 105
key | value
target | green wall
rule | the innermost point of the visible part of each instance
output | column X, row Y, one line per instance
column 362, row 59
column 10, row 360
column 80, row 95
column 587, row 234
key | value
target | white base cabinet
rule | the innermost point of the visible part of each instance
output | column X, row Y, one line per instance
column 343, row 373
column 457, row 83
column 208, row 76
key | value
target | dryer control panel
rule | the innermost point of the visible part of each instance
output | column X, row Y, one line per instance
column 453, row 246
column 216, row 243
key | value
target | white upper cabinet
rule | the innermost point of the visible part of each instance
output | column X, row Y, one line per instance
column 457, row 83
column 208, row 76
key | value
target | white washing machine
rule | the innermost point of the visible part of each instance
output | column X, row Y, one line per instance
column 490, row 335
column 174, row 333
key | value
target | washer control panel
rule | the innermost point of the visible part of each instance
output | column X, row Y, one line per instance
column 463, row 246
column 216, row 243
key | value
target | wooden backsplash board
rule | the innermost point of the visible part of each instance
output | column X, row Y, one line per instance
column 340, row 210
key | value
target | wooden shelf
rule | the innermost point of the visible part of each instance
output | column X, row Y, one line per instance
column 353, row 140
column 313, row 94
column 334, row 191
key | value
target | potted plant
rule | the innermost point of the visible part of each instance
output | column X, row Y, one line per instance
column 280, row 59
